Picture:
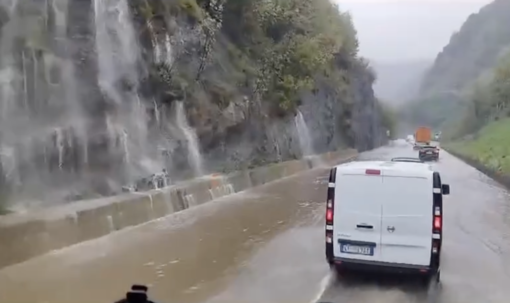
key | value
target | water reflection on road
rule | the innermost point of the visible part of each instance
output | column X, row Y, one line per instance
column 267, row 246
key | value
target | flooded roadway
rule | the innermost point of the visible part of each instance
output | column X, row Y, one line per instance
column 267, row 245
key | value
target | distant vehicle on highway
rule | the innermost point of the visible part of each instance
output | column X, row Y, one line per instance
column 429, row 153
column 422, row 136
column 396, row 226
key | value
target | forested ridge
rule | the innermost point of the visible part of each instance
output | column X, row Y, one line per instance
column 466, row 87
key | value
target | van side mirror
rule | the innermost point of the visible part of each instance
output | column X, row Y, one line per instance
column 445, row 189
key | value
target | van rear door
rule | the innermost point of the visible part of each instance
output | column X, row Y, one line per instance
column 357, row 216
column 407, row 213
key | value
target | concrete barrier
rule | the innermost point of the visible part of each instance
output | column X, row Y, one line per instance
column 25, row 236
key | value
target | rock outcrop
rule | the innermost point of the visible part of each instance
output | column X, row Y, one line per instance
column 89, row 91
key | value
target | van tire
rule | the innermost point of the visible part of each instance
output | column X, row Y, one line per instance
column 425, row 281
column 339, row 272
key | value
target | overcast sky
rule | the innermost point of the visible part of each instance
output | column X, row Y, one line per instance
column 402, row 30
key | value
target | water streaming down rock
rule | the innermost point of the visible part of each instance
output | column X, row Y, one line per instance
column 41, row 118
column 194, row 155
column 73, row 123
column 119, row 67
column 88, row 100
column 305, row 139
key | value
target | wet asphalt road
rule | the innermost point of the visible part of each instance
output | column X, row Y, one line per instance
column 267, row 245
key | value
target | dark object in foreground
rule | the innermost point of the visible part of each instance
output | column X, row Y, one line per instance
column 137, row 294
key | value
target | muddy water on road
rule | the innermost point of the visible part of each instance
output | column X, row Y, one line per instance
column 187, row 257
column 267, row 246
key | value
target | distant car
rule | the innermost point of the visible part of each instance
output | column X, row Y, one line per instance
column 385, row 217
column 429, row 153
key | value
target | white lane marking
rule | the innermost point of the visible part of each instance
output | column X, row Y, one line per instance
column 323, row 286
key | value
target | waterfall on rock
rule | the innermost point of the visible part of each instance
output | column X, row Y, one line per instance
column 118, row 78
column 305, row 139
column 194, row 156
column 76, row 120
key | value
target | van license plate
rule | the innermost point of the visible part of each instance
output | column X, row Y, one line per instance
column 356, row 249
column 429, row 153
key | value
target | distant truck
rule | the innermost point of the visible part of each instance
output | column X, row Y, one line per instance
column 422, row 137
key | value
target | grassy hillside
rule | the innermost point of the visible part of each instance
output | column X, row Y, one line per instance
column 490, row 146
column 483, row 131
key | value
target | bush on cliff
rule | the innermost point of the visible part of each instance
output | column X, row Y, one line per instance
column 278, row 46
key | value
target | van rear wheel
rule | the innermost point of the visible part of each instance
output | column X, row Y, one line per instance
column 338, row 271
column 425, row 281
column 429, row 279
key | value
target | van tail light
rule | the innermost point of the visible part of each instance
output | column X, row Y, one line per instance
column 437, row 223
column 330, row 203
column 436, row 232
column 330, row 211
column 329, row 216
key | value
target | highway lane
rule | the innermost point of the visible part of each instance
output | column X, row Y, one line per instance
column 194, row 255
column 267, row 245
column 476, row 251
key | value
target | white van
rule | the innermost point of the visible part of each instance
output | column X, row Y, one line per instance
column 385, row 216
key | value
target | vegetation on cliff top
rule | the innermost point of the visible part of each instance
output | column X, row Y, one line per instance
column 279, row 48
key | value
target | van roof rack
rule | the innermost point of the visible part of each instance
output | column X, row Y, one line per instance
column 407, row 159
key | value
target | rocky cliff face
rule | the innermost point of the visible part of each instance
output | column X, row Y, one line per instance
column 91, row 91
